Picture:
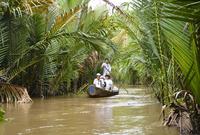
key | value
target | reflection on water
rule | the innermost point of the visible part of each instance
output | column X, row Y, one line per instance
column 134, row 114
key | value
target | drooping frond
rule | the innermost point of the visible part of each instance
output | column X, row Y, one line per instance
column 3, row 43
column 12, row 93
column 62, row 20
column 19, row 7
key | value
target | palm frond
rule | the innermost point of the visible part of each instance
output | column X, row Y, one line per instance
column 3, row 43
column 12, row 93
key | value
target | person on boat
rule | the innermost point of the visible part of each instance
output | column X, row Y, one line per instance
column 103, row 83
column 97, row 81
column 106, row 67
column 108, row 82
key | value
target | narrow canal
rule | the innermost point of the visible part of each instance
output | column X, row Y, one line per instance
column 136, row 113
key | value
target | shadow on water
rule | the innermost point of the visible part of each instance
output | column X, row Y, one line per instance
column 134, row 114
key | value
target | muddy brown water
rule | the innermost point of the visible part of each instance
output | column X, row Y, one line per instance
column 136, row 113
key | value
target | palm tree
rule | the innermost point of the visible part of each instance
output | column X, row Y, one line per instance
column 47, row 50
column 168, row 35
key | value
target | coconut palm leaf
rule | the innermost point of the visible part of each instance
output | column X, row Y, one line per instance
column 3, row 43
column 62, row 20
column 12, row 93
column 19, row 7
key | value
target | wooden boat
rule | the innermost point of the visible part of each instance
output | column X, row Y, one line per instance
column 95, row 92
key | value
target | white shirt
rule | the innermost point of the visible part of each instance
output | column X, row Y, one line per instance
column 97, row 83
column 109, row 84
column 106, row 69
column 102, row 83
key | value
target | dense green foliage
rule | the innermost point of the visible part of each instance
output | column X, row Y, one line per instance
column 44, row 45
column 53, row 47
column 163, row 47
column 58, row 45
